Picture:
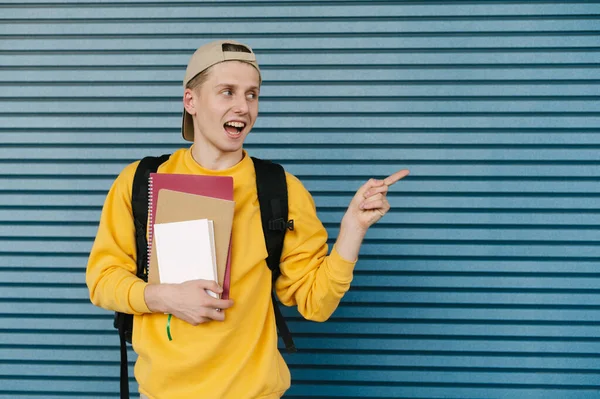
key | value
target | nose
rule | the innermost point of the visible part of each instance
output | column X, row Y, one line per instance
column 241, row 105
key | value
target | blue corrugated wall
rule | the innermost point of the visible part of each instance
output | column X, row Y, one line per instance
column 482, row 282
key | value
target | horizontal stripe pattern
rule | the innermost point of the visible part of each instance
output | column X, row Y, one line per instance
column 482, row 280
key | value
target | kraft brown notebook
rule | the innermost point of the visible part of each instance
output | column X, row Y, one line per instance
column 176, row 206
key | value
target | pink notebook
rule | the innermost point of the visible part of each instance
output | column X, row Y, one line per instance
column 220, row 187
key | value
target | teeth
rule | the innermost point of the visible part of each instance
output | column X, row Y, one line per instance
column 236, row 124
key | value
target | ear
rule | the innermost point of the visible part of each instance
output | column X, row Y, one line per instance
column 189, row 101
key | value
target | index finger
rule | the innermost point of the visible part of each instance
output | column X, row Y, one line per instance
column 388, row 181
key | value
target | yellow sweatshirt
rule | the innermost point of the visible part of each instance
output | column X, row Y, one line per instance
column 237, row 358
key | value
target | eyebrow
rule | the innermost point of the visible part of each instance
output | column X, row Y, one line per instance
column 234, row 85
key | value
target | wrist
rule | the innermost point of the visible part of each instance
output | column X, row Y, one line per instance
column 155, row 296
column 349, row 240
column 351, row 225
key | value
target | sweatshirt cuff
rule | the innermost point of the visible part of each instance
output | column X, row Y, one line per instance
column 136, row 297
column 340, row 269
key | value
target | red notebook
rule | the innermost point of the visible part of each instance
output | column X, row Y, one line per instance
column 220, row 187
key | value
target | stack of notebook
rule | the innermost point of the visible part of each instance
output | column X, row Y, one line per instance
column 189, row 235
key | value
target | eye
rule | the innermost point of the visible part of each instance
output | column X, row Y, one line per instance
column 252, row 96
column 227, row 92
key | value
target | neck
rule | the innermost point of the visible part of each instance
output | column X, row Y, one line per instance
column 212, row 159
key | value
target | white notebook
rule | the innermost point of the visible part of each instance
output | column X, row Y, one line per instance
column 186, row 251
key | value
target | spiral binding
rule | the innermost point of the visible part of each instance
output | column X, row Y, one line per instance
column 149, row 246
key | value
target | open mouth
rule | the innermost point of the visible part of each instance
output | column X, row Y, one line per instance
column 234, row 128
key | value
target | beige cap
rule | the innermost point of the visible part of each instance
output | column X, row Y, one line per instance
column 205, row 57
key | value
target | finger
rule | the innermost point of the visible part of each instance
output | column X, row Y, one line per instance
column 388, row 181
column 198, row 321
column 218, row 303
column 375, row 190
column 213, row 286
column 374, row 198
column 194, row 320
column 370, row 184
column 376, row 204
column 215, row 314
column 209, row 285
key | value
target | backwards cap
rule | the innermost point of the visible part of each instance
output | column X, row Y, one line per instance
column 205, row 57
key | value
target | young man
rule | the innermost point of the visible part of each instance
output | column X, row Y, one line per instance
column 226, row 348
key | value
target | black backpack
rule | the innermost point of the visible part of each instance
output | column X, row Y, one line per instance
column 272, row 197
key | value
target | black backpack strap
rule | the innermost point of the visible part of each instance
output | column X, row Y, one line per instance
column 273, row 199
column 139, row 204
column 139, row 207
column 124, row 374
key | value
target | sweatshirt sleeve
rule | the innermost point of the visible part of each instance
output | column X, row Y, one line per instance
column 111, row 269
column 310, row 279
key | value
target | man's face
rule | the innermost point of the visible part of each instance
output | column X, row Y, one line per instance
column 226, row 106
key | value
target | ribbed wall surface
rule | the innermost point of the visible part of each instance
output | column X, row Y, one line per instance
column 482, row 282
